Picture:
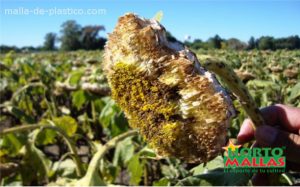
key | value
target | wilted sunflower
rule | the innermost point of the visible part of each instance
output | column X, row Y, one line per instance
column 177, row 105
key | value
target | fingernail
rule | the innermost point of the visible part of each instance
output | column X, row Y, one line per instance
column 266, row 135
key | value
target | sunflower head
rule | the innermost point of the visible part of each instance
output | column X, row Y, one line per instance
column 178, row 107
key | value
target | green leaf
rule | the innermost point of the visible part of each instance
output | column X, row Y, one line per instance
column 8, row 59
column 261, row 84
column 162, row 182
column 213, row 164
column 46, row 136
column 14, row 180
column 193, row 181
column 26, row 105
column 99, row 105
column 19, row 114
column 295, row 92
column 75, row 77
column 35, row 167
column 107, row 113
column 11, row 144
column 124, row 152
column 168, row 171
column 27, row 69
column 158, row 16
column 135, row 168
column 147, row 152
column 119, row 124
column 78, row 98
column 66, row 123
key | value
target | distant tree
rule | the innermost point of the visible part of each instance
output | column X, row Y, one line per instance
column 187, row 43
column 251, row 43
column 24, row 49
column 50, row 39
column 266, row 42
column 292, row 42
column 297, row 42
column 90, row 39
column 197, row 44
column 6, row 49
column 71, row 32
column 235, row 44
column 216, row 42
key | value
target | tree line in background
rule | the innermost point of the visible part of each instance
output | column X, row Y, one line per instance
column 262, row 43
column 74, row 37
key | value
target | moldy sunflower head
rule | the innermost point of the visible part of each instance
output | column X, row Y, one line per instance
column 179, row 107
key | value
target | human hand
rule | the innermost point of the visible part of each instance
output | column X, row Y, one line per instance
column 282, row 129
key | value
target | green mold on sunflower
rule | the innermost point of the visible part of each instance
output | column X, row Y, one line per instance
column 178, row 106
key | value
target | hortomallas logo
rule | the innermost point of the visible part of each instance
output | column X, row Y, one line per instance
column 264, row 160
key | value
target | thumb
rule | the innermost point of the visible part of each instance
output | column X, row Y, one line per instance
column 268, row 136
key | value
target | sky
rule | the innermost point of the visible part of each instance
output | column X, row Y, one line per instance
column 25, row 22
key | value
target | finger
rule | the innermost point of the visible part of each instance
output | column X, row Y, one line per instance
column 284, row 116
column 268, row 136
column 246, row 132
column 276, row 115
